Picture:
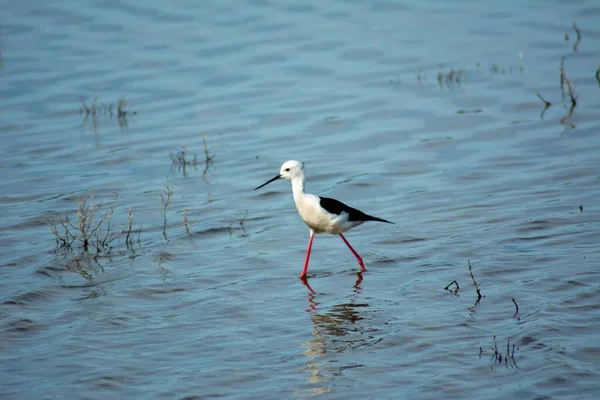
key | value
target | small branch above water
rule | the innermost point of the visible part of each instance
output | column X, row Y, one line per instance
column 455, row 283
column 476, row 285
column 517, row 308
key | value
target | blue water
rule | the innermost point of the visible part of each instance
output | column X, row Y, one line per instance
column 423, row 113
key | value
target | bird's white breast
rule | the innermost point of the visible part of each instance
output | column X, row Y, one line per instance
column 319, row 219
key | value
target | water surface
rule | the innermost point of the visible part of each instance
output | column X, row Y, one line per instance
column 423, row 113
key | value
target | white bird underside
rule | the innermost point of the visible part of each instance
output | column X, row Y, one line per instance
column 319, row 219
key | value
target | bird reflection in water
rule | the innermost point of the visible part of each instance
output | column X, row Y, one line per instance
column 357, row 287
column 338, row 329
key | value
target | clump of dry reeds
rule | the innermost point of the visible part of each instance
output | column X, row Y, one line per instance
column 508, row 358
column 92, row 227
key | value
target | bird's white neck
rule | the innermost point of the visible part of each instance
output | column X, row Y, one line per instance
column 298, row 186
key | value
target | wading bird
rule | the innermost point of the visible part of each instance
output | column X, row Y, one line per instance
column 321, row 214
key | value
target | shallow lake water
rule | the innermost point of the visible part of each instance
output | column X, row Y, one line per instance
column 430, row 114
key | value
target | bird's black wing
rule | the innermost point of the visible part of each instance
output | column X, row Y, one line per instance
column 334, row 206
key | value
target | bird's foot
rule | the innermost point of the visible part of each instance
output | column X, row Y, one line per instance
column 305, row 283
column 362, row 266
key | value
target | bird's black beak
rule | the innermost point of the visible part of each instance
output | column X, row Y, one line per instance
column 266, row 183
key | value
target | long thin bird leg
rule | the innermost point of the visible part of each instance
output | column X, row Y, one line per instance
column 360, row 261
column 305, row 283
column 305, row 270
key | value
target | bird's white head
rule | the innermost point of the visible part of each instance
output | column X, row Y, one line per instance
column 292, row 170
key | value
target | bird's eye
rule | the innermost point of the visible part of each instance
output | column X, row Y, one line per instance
column 287, row 169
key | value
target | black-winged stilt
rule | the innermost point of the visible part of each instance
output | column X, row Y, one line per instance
column 321, row 214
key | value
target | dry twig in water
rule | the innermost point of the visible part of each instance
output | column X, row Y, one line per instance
column 128, row 238
column 185, row 221
column 474, row 283
column 207, row 155
column 578, row 32
column 166, row 196
column 240, row 222
column 547, row 105
column 517, row 308
column 565, row 81
column 455, row 290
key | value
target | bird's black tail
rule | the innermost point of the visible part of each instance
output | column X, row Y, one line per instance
column 372, row 218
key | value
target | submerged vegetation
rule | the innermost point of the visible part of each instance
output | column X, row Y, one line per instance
column 239, row 225
column 91, row 229
column 121, row 110
column 569, row 97
column 498, row 357
column 508, row 358
column 182, row 160
column 456, row 287
column 451, row 77
column 457, row 77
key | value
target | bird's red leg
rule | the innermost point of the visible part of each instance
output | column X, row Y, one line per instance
column 305, row 269
column 360, row 261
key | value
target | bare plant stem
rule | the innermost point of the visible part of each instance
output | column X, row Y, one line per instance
column 52, row 224
column 495, row 348
column 516, row 306
column 241, row 222
column 185, row 220
column 578, row 32
column 109, row 237
column 69, row 237
column 207, row 155
column 564, row 80
column 474, row 281
column 128, row 242
column 546, row 103
column 521, row 62
column 166, row 196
